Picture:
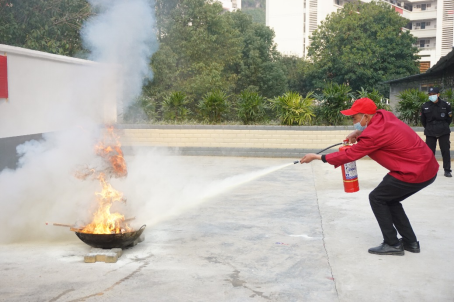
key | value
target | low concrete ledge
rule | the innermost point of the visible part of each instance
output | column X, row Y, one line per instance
column 228, row 152
column 237, row 140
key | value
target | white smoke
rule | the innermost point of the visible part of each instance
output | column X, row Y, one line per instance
column 43, row 187
column 123, row 35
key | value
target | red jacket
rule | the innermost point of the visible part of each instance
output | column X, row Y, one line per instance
column 395, row 146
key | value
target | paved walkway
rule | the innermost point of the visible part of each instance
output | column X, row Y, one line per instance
column 290, row 235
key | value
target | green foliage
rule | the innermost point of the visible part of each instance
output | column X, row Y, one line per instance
column 259, row 66
column 197, row 46
column 174, row 107
column 46, row 25
column 213, row 106
column 296, row 70
column 409, row 105
column 293, row 109
column 448, row 95
column 256, row 9
column 362, row 45
column 253, row 4
column 203, row 49
column 251, row 107
column 375, row 96
column 333, row 99
column 143, row 109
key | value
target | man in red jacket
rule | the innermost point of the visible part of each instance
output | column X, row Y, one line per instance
column 411, row 164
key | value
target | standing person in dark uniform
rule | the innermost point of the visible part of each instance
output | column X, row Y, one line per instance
column 412, row 166
column 436, row 115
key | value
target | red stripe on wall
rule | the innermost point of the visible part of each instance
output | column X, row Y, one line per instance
column 3, row 77
column 399, row 10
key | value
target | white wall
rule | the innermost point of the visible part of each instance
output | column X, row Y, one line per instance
column 286, row 18
column 49, row 93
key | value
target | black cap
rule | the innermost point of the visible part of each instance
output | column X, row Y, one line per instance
column 434, row 90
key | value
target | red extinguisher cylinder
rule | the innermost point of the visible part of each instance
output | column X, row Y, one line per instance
column 349, row 173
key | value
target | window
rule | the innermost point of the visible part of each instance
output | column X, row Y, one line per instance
column 418, row 24
column 428, row 5
column 418, row 6
column 427, row 23
column 421, row 43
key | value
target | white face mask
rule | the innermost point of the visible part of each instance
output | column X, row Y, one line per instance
column 358, row 125
column 433, row 98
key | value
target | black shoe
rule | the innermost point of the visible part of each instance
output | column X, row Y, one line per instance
column 385, row 249
column 448, row 174
column 411, row 247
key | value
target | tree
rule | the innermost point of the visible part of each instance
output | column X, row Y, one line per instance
column 256, row 9
column 204, row 49
column 197, row 44
column 260, row 67
column 362, row 45
column 51, row 26
column 296, row 70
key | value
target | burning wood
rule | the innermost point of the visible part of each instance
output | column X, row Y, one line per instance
column 110, row 150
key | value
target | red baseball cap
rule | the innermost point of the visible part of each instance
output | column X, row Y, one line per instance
column 363, row 106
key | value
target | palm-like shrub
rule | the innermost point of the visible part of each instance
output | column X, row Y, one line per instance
column 409, row 105
column 292, row 108
column 174, row 107
column 375, row 96
column 333, row 99
column 251, row 107
column 448, row 95
column 143, row 109
column 213, row 106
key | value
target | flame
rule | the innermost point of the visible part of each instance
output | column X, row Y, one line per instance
column 105, row 222
column 110, row 150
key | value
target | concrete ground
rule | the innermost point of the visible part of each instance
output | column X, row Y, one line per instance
column 291, row 235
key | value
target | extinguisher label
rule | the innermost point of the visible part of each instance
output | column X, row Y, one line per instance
column 350, row 171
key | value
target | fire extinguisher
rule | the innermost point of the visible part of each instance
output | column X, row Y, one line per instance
column 349, row 172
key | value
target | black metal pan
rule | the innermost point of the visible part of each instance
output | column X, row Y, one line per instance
column 108, row 241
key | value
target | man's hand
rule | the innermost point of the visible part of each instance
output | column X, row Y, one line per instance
column 353, row 135
column 310, row 157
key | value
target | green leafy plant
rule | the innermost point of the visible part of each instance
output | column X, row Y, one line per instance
column 375, row 96
column 143, row 109
column 213, row 106
column 292, row 108
column 448, row 95
column 251, row 107
column 174, row 107
column 332, row 100
column 409, row 105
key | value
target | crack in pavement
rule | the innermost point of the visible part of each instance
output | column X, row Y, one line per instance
column 145, row 264
column 235, row 278
column 61, row 295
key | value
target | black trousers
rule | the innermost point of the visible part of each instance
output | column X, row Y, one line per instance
column 445, row 145
column 385, row 202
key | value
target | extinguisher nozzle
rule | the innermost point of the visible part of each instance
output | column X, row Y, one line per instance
column 296, row 162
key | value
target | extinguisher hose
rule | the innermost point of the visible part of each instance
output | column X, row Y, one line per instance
column 296, row 162
column 329, row 148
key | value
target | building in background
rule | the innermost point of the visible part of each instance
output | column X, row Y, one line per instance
column 231, row 5
column 430, row 21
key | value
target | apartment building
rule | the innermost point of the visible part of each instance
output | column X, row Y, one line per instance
column 430, row 21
